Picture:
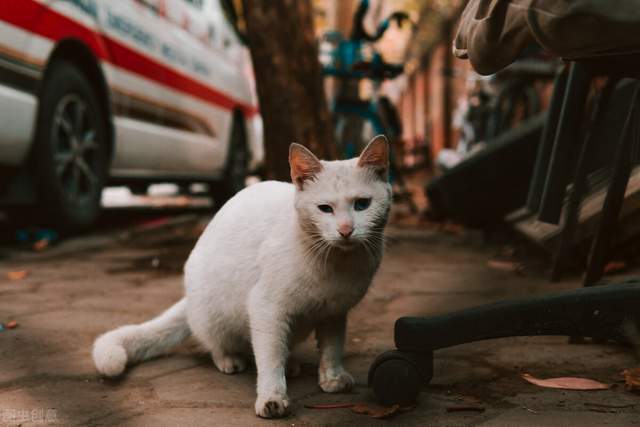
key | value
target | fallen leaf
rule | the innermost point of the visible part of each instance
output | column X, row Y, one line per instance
column 615, row 267
column 330, row 406
column 453, row 228
column 566, row 383
column 375, row 411
column 632, row 379
column 17, row 275
column 41, row 245
column 509, row 266
column 465, row 409
column 11, row 324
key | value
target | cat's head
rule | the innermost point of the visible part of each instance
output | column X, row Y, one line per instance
column 344, row 202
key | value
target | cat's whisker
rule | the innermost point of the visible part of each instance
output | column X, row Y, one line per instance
column 379, row 245
column 370, row 251
column 316, row 250
column 327, row 251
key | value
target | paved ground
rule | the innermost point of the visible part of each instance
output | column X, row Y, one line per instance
column 78, row 290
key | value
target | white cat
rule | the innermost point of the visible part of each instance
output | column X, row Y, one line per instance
column 276, row 262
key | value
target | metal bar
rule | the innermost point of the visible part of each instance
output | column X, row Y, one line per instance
column 615, row 194
column 580, row 180
column 591, row 312
column 546, row 143
column 566, row 139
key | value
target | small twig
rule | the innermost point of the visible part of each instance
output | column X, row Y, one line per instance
column 465, row 409
column 330, row 406
column 604, row 405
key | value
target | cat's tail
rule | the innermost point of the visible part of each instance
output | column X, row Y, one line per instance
column 128, row 344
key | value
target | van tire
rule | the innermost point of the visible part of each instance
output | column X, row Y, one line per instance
column 71, row 155
column 236, row 166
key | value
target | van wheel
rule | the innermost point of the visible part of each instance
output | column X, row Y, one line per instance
column 71, row 155
column 236, row 168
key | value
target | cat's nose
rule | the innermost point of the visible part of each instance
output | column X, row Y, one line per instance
column 345, row 230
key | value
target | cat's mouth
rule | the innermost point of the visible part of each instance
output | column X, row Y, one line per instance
column 345, row 244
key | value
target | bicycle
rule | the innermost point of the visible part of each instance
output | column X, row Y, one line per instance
column 499, row 103
column 357, row 120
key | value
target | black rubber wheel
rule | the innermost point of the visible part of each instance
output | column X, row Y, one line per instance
column 236, row 169
column 71, row 155
column 398, row 377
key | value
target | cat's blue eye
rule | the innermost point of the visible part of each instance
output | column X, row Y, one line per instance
column 362, row 203
column 325, row 208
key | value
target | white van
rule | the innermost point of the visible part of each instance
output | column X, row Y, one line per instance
column 97, row 92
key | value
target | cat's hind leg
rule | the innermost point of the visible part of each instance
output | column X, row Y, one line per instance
column 228, row 363
column 293, row 368
column 219, row 333
column 229, row 359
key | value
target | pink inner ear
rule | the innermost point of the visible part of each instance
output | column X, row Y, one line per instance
column 374, row 159
column 304, row 165
column 375, row 155
column 306, row 168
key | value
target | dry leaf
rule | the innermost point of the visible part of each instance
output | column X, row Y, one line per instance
column 330, row 406
column 375, row 411
column 632, row 379
column 615, row 267
column 17, row 275
column 566, row 383
column 11, row 324
column 41, row 245
column 509, row 266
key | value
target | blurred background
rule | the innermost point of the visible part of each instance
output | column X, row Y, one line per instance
column 115, row 115
column 118, row 114
column 170, row 117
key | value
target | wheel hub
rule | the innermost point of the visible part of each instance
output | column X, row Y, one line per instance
column 74, row 145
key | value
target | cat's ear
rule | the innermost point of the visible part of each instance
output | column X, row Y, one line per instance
column 304, row 164
column 376, row 156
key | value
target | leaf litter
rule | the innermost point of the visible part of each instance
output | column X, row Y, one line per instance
column 632, row 379
column 372, row 410
column 17, row 275
column 566, row 383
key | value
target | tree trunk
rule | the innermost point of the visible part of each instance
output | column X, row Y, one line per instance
column 289, row 81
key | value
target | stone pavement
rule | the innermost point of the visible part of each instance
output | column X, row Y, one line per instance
column 69, row 297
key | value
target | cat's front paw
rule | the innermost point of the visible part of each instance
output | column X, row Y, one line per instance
column 274, row 406
column 341, row 382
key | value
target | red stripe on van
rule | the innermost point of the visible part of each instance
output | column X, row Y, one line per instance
column 37, row 18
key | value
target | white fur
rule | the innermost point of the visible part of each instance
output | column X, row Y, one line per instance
column 268, row 270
